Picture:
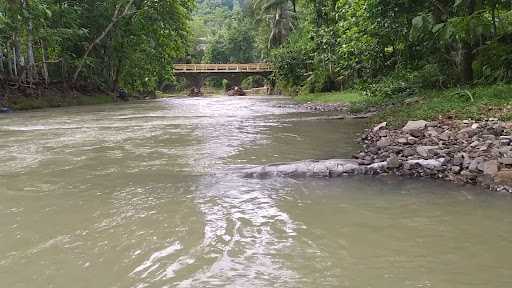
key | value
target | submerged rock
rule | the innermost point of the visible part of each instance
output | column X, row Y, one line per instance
column 308, row 168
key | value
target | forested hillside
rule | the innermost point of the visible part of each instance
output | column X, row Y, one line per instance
column 113, row 43
column 431, row 44
column 401, row 45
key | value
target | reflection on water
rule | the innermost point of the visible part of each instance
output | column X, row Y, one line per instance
column 138, row 196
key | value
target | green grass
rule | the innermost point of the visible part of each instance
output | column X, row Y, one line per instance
column 461, row 103
column 348, row 96
column 477, row 103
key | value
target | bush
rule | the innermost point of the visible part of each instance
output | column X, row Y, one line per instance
column 429, row 77
column 397, row 85
column 407, row 83
column 320, row 81
column 253, row 82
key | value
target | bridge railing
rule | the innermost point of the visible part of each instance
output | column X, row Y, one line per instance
column 253, row 67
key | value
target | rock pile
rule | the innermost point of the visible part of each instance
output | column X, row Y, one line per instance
column 458, row 151
column 236, row 91
column 326, row 107
column 194, row 92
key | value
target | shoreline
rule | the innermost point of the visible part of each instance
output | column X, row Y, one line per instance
column 461, row 152
column 58, row 94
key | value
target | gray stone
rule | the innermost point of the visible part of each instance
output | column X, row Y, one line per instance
column 445, row 136
column 458, row 159
column 506, row 161
column 496, row 130
column 412, row 140
column 467, row 173
column 431, row 132
column 415, row 125
column 409, row 152
column 393, row 162
column 417, row 133
column 468, row 131
column 383, row 133
column 426, row 151
column 430, row 164
column 455, row 169
column 476, row 164
column 380, row 126
column 490, row 167
column 383, row 142
column 309, row 168
column 378, row 166
column 489, row 137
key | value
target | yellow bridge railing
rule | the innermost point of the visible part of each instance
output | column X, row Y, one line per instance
column 212, row 68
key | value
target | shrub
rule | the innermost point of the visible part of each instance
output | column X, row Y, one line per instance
column 320, row 81
column 397, row 85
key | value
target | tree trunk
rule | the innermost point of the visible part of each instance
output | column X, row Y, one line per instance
column 45, row 67
column 20, row 61
column 10, row 64
column 468, row 48
column 467, row 64
column 493, row 16
column 2, row 69
column 109, row 27
column 439, row 11
column 30, row 40
column 14, row 62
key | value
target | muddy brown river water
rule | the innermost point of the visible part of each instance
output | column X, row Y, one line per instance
column 141, row 195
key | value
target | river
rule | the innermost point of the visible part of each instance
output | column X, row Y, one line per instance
column 142, row 195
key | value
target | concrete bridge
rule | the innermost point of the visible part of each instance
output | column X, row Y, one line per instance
column 196, row 74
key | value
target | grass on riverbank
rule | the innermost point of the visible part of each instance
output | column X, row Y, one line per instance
column 476, row 103
column 21, row 103
column 348, row 96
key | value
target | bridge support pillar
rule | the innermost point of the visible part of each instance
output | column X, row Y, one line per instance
column 196, row 80
column 234, row 80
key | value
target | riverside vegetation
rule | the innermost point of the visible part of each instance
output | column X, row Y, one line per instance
column 57, row 53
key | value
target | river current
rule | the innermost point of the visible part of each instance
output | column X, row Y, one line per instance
column 145, row 195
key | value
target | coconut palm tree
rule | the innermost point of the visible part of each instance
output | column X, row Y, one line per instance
column 279, row 16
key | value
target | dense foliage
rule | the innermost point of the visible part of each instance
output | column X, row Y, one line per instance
column 405, row 44
column 112, row 43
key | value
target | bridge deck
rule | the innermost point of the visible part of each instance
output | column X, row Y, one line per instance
column 222, row 68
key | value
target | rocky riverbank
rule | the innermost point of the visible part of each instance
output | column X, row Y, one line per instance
column 458, row 151
column 326, row 107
